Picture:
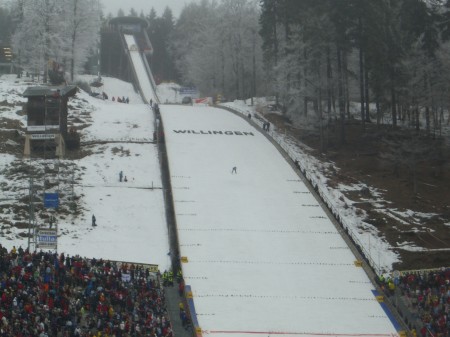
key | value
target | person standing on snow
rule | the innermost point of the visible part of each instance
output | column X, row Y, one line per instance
column 234, row 170
column 94, row 220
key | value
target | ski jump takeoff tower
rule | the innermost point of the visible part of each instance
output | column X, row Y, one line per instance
column 47, row 119
column 114, row 60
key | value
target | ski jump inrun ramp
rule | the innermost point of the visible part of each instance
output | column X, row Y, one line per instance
column 141, row 70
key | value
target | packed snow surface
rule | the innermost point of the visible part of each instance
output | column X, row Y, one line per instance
column 139, row 67
column 262, row 255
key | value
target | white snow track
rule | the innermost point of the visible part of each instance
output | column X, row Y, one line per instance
column 139, row 66
column 263, row 258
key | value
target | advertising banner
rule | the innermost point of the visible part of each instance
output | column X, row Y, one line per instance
column 42, row 136
column 47, row 239
column 188, row 91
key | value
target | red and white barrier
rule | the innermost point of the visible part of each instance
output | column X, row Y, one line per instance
column 203, row 101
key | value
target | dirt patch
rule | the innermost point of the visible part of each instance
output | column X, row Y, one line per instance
column 5, row 103
column 418, row 218
column 120, row 151
column 11, row 141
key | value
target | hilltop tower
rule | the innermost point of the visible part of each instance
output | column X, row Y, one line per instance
column 47, row 119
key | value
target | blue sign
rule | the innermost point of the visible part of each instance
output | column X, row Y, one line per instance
column 47, row 238
column 51, row 200
column 188, row 91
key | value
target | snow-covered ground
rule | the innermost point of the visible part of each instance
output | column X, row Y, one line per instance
column 132, row 126
column 169, row 93
column 379, row 253
column 263, row 257
column 130, row 215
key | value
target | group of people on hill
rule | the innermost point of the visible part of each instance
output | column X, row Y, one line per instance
column 45, row 294
column 122, row 177
column 154, row 106
column 429, row 293
column 266, row 126
column 121, row 100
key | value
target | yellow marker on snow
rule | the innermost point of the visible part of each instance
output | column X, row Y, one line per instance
column 358, row 263
column 380, row 299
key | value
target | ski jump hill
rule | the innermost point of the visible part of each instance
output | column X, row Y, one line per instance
column 259, row 254
column 125, row 52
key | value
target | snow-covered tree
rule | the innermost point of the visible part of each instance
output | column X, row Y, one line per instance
column 195, row 20
column 5, row 25
column 239, row 27
column 54, row 30
column 160, row 31
column 218, row 48
column 81, row 32
column 38, row 36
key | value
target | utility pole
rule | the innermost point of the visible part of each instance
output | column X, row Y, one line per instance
column 72, row 197
column 31, row 216
column 254, row 67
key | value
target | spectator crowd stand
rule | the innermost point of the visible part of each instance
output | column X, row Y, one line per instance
column 45, row 294
column 428, row 296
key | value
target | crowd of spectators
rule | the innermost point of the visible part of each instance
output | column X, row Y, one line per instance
column 429, row 296
column 55, row 295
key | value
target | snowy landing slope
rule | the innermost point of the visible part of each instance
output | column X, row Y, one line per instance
column 263, row 258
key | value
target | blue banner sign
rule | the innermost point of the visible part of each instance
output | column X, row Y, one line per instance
column 188, row 91
column 51, row 200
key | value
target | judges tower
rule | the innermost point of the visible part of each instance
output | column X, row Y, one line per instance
column 47, row 119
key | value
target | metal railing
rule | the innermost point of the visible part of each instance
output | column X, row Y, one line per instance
column 150, row 75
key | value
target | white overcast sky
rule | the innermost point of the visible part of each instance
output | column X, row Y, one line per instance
column 112, row 6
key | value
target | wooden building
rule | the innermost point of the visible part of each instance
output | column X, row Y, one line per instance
column 47, row 119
